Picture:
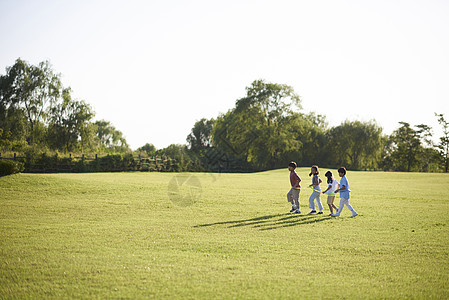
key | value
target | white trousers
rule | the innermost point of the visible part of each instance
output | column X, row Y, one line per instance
column 315, row 195
column 343, row 202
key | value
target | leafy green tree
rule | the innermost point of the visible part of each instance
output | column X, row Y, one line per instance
column 68, row 122
column 37, row 110
column 257, row 128
column 35, row 88
column 428, row 156
column 443, row 146
column 407, row 148
column 12, row 116
column 89, row 140
column 309, row 131
column 200, row 137
column 357, row 145
column 148, row 148
column 5, row 139
column 11, row 90
column 179, row 153
column 271, row 101
column 110, row 138
column 230, row 134
column 14, row 121
column 199, row 144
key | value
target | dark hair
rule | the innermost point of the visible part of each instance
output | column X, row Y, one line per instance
column 292, row 164
column 316, row 168
column 342, row 170
column 329, row 176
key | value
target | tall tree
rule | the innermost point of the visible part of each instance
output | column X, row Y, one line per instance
column 309, row 131
column 5, row 139
column 257, row 127
column 12, row 116
column 200, row 137
column 271, row 101
column 406, row 147
column 37, row 110
column 357, row 144
column 110, row 138
column 68, row 122
column 410, row 149
column 35, row 88
column 14, row 120
column 443, row 146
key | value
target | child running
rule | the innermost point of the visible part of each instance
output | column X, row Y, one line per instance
column 293, row 194
column 344, row 194
column 332, row 186
column 316, row 191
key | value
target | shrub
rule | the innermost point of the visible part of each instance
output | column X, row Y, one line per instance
column 8, row 167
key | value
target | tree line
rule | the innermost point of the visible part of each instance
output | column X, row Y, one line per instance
column 264, row 130
column 38, row 114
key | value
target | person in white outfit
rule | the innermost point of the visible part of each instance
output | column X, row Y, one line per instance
column 332, row 186
column 316, row 181
column 344, row 194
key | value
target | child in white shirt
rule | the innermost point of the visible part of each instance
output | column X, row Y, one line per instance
column 332, row 186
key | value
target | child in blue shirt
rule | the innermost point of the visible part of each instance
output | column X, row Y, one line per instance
column 344, row 194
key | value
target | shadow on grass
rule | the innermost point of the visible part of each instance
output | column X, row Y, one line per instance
column 271, row 222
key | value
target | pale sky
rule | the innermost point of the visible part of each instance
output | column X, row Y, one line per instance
column 153, row 68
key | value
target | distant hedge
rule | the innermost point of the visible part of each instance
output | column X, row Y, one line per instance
column 8, row 167
column 44, row 163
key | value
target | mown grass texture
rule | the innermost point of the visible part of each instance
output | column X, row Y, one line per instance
column 201, row 235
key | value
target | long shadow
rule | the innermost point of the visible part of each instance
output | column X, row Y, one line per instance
column 241, row 221
column 296, row 222
column 270, row 222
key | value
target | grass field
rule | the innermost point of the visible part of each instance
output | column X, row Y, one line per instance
column 167, row 235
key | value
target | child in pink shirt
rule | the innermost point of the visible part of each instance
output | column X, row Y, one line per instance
column 293, row 194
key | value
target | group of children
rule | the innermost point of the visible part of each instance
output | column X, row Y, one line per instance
column 333, row 188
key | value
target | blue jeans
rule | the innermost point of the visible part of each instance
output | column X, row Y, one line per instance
column 315, row 195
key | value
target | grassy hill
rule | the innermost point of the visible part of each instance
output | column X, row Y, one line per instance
column 200, row 235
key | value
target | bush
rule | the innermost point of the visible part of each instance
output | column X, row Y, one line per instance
column 114, row 162
column 8, row 167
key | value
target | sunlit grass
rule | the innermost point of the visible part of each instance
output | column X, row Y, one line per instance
column 167, row 235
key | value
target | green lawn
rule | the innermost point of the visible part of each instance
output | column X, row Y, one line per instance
column 168, row 235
